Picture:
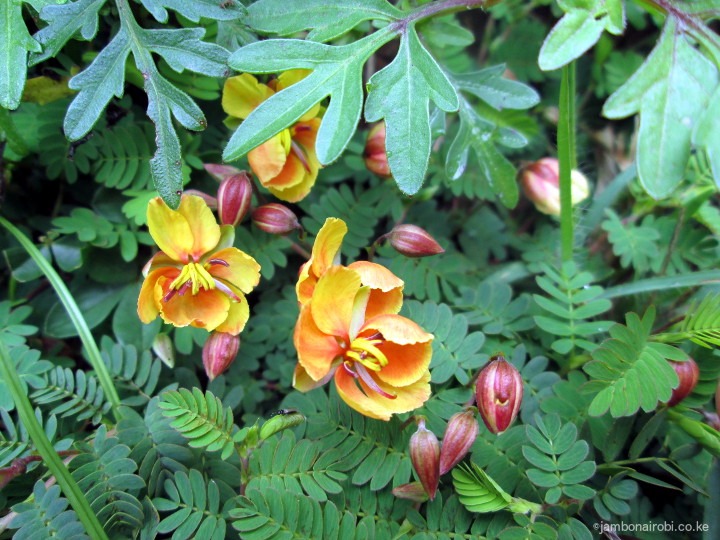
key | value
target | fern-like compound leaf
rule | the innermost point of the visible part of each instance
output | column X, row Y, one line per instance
column 477, row 491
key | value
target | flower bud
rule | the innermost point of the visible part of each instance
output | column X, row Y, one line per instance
column 425, row 456
column 541, row 182
column 460, row 434
column 412, row 491
column 688, row 373
column 275, row 218
column 375, row 156
column 234, row 197
column 220, row 172
column 163, row 348
column 499, row 392
column 412, row 241
column 219, row 352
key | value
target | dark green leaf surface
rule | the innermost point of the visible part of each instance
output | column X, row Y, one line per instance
column 15, row 42
column 195, row 9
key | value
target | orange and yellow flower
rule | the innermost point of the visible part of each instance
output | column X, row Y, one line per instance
column 349, row 330
column 286, row 164
column 198, row 278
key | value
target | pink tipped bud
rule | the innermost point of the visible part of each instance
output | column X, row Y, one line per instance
column 412, row 241
column 499, row 392
column 425, row 456
column 460, row 434
column 275, row 218
column 234, row 198
column 412, row 491
column 209, row 199
column 220, row 172
column 541, row 182
column 219, row 352
column 689, row 374
column 375, row 156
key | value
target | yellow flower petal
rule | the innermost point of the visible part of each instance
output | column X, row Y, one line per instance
column 237, row 316
column 268, row 160
column 386, row 288
column 242, row 272
column 333, row 299
column 325, row 253
column 242, row 94
column 207, row 309
column 316, row 350
column 148, row 308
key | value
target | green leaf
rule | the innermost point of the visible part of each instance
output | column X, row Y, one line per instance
column 337, row 72
column 326, row 20
column 195, row 9
column 15, row 42
column 401, row 93
column 707, row 134
column 477, row 491
column 659, row 91
column 66, row 21
column 578, row 30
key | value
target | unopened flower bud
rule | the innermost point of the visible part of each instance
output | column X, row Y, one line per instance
column 220, row 172
column 688, row 373
column 234, row 197
column 375, row 156
column 163, row 348
column 275, row 218
column 460, row 434
column 412, row 491
column 412, row 241
column 283, row 419
column 425, row 456
column 499, row 392
column 219, row 352
column 541, row 182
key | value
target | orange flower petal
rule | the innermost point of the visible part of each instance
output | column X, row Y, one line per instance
column 148, row 307
column 316, row 350
column 372, row 404
column 242, row 94
column 191, row 231
column 237, row 316
column 292, row 173
column 325, row 253
column 407, row 347
column 303, row 382
column 243, row 272
column 207, row 309
column 268, row 159
column 332, row 301
column 386, row 295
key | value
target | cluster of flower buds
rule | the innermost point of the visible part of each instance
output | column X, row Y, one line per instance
column 689, row 373
column 541, row 182
column 499, row 394
column 219, row 352
column 275, row 218
column 412, row 241
column 375, row 155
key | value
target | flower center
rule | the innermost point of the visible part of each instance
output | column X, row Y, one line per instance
column 363, row 355
column 195, row 277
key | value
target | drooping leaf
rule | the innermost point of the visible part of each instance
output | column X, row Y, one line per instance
column 401, row 94
column 659, row 92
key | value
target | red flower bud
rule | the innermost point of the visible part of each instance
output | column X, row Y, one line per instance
column 499, row 392
column 460, row 434
column 220, row 172
column 541, row 182
column 234, row 197
column 375, row 156
column 219, row 352
column 412, row 241
column 425, row 456
column 412, row 491
column 275, row 218
column 688, row 373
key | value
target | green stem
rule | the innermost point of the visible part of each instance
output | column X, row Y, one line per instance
column 566, row 157
column 74, row 312
column 45, row 448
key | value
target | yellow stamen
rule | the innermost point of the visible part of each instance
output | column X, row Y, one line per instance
column 365, row 352
column 197, row 275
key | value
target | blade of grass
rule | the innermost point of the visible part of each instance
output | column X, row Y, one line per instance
column 694, row 279
column 74, row 312
column 45, row 448
column 566, row 157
